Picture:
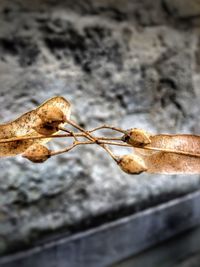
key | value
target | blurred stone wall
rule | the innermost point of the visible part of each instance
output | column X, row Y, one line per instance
column 121, row 62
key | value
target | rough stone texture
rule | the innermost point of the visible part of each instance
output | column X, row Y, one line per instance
column 183, row 8
column 122, row 62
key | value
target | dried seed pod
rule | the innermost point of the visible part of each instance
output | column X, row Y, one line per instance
column 137, row 137
column 24, row 126
column 51, row 115
column 49, row 120
column 37, row 153
column 173, row 162
column 132, row 164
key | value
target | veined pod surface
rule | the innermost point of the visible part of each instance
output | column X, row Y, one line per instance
column 166, row 162
column 24, row 126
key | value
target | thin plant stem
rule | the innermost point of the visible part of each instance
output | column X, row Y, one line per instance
column 83, row 134
column 92, row 138
column 76, row 143
column 114, row 143
column 68, row 131
column 53, row 153
column 61, row 151
column 87, row 134
column 110, row 138
column 22, row 138
column 172, row 151
column 105, row 126
column 113, row 156
column 100, row 140
column 65, row 130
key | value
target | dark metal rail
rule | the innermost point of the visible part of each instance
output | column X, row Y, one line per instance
column 115, row 241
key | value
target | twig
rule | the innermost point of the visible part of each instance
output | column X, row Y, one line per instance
column 87, row 134
column 54, row 153
column 99, row 140
column 76, row 143
column 68, row 131
column 110, row 153
column 110, row 138
column 22, row 138
column 171, row 151
column 92, row 138
column 114, row 143
column 105, row 126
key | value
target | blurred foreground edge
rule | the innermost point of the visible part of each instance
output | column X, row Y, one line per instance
column 118, row 240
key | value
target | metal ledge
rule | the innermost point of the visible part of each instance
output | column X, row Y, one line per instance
column 115, row 241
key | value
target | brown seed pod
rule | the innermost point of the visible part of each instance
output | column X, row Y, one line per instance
column 37, row 153
column 51, row 115
column 174, row 162
column 137, row 137
column 132, row 164
column 49, row 120
column 24, row 126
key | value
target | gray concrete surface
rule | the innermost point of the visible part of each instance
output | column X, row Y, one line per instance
column 127, row 63
column 161, row 236
column 180, row 251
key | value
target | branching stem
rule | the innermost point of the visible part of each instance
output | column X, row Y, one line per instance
column 76, row 143
column 75, row 135
column 87, row 134
column 93, row 138
column 105, row 126
column 68, row 131
column 100, row 140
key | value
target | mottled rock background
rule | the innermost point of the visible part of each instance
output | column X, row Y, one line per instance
column 122, row 62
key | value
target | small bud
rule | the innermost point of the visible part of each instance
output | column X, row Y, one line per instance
column 137, row 137
column 49, row 120
column 51, row 115
column 37, row 153
column 132, row 164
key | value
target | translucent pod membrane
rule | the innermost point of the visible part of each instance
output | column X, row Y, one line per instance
column 185, row 157
column 25, row 126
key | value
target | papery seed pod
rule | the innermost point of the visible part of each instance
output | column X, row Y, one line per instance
column 24, row 126
column 49, row 120
column 137, row 137
column 132, row 164
column 183, row 158
column 37, row 153
column 51, row 115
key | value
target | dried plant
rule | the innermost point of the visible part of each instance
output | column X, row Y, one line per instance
column 162, row 153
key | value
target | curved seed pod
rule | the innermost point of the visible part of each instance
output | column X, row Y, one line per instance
column 132, row 164
column 137, row 137
column 24, row 126
column 37, row 153
column 172, row 162
column 50, row 119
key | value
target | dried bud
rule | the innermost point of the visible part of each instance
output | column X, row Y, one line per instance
column 132, row 164
column 37, row 153
column 49, row 120
column 51, row 115
column 137, row 137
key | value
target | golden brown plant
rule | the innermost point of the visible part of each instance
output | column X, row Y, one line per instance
column 150, row 153
column 37, row 153
column 132, row 164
